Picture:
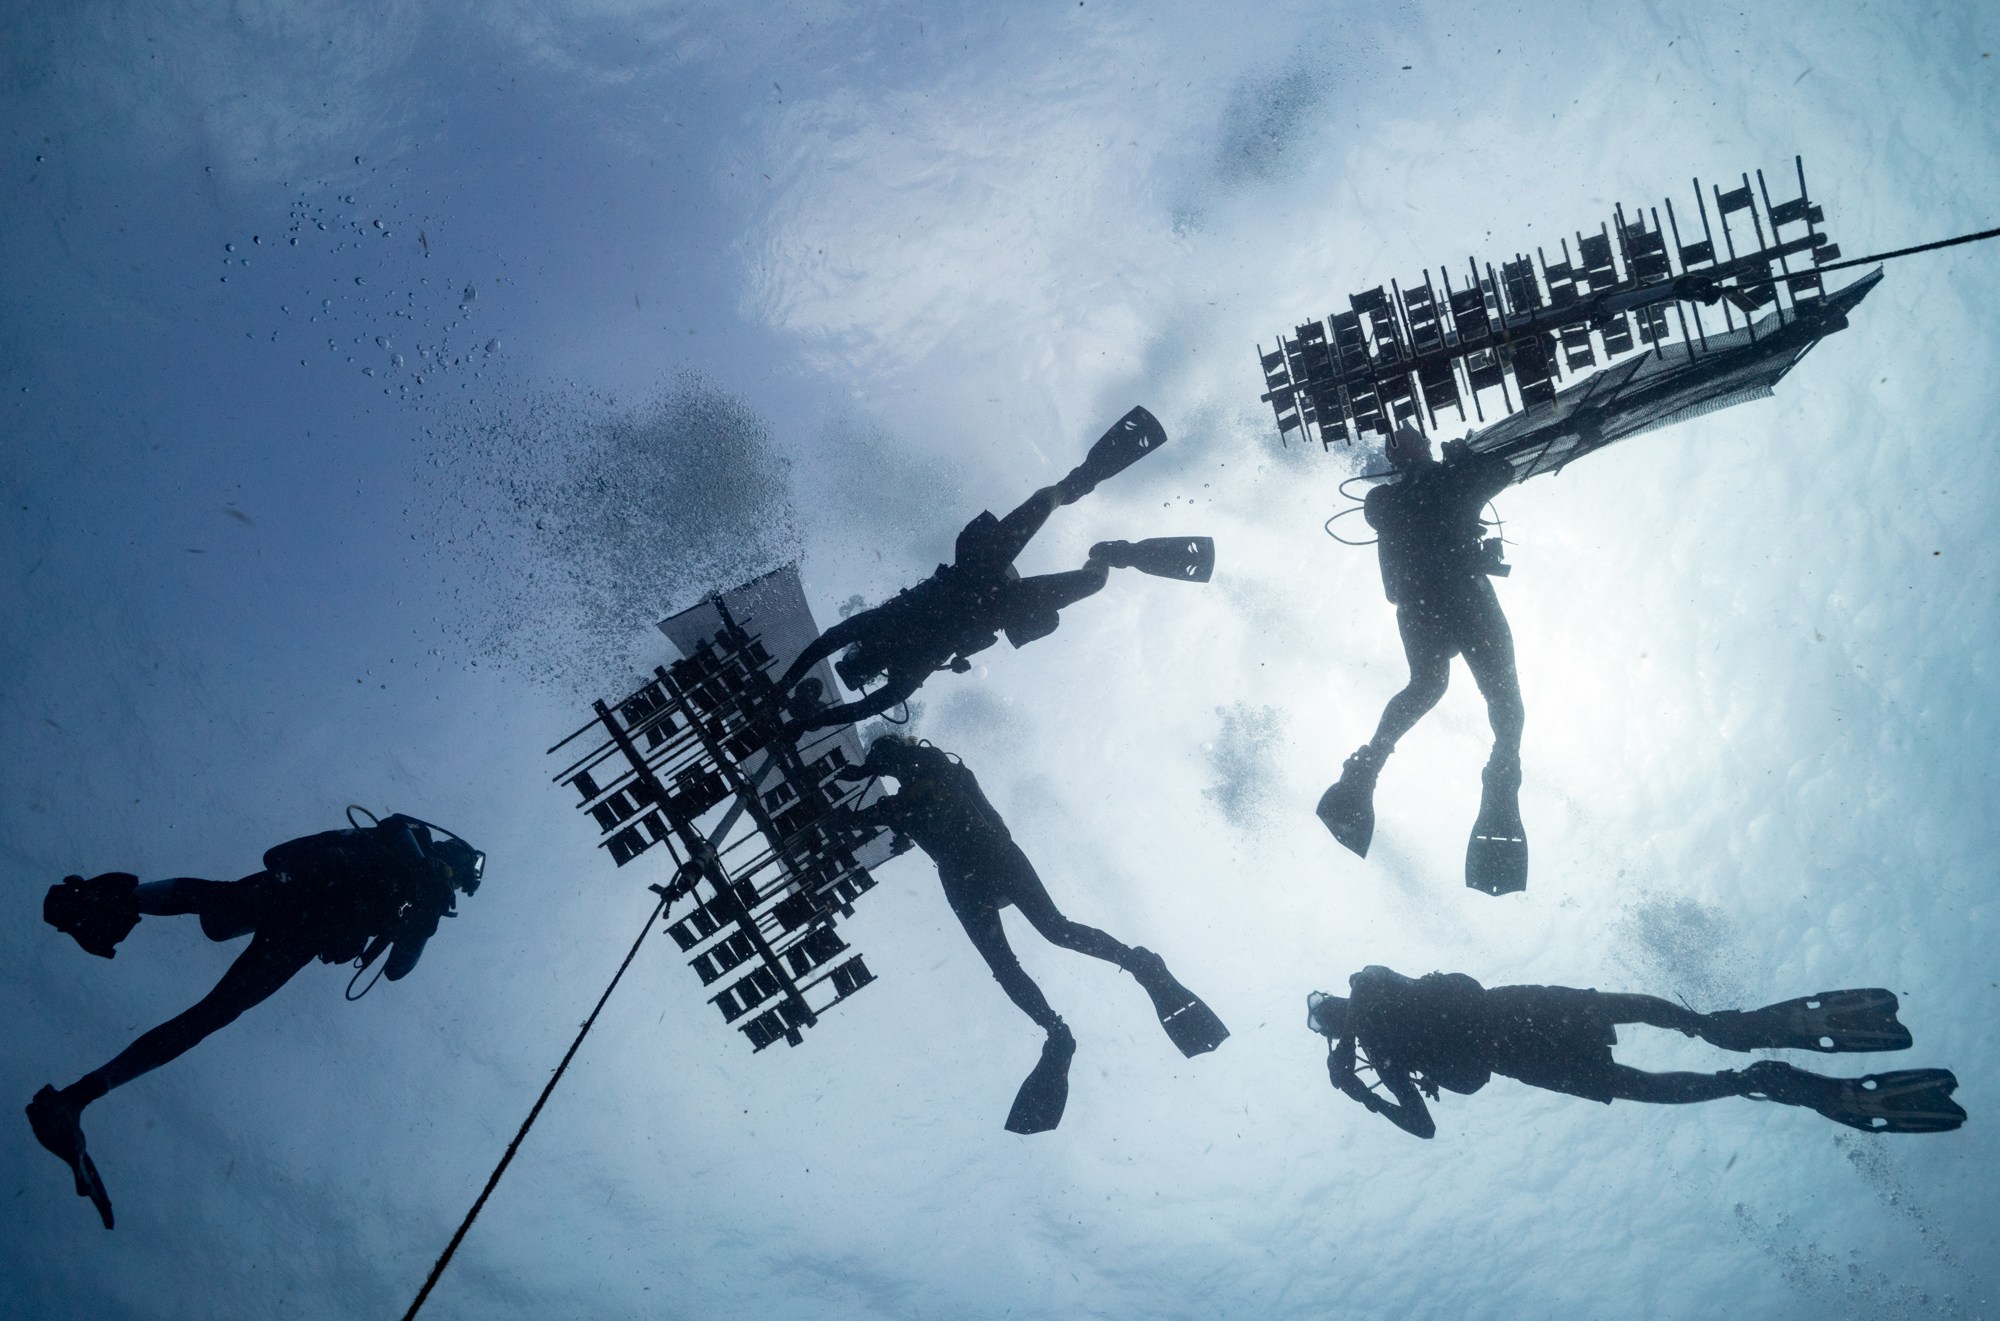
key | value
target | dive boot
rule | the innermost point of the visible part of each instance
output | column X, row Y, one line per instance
column 1191, row 1025
column 1348, row 807
column 1184, row 559
column 98, row 912
column 1130, row 439
column 58, row 1126
column 1832, row 1021
column 1038, row 1106
column 1906, row 1101
column 1496, row 857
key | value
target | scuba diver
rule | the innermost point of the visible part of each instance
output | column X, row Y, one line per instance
column 340, row 896
column 964, row 606
column 1444, row 1030
column 1436, row 561
column 939, row 806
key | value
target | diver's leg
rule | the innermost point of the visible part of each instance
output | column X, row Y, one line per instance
column 267, row 963
column 1628, row 1007
column 1018, row 528
column 1031, row 897
column 1489, row 654
column 1630, row 1084
column 1032, row 607
column 179, row 895
column 1429, row 656
column 981, row 921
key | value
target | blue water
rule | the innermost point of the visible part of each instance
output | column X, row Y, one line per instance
column 596, row 307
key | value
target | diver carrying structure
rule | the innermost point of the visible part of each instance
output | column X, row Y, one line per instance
column 1608, row 342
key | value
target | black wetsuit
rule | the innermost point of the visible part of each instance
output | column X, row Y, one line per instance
column 331, row 896
column 1445, row 1030
column 1433, row 571
column 956, row 612
column 941, row 808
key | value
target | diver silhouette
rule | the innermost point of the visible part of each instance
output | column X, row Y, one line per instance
column 1436, row 561
column 1444, row 1030
column 339, row 896
column 964, row 606
column 940, row 807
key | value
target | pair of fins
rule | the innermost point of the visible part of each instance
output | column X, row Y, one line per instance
column 1190, row 1024
column 1496, row 853
column 1130, row 439
column 1905, row 1101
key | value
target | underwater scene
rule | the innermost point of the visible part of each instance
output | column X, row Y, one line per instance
column 1042, row 660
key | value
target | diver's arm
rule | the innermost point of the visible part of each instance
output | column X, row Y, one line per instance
column 898, row 687
column 845, row 633
column 1409, row 1112
column 412, row 933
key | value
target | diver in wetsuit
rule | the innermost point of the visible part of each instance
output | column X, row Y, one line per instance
column 964, row 606
column 1444, row 1030
column 339, row 896
column 940, row 807
column 1436, row 562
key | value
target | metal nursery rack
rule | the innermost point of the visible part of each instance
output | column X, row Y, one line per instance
column 692, row 761
column 1405, row 354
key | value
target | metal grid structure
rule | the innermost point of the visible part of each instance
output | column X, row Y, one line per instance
column 1540, row 338
column 691, row 762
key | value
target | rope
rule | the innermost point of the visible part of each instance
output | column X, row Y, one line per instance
column 1864, row 261
column 445, row 1258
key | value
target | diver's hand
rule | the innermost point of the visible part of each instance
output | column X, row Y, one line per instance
column 1425, row 1085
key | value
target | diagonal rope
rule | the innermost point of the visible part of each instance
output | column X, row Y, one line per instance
column 445, row 1258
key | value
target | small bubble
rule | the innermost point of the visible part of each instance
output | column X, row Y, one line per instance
column 357, row 279
column 293, row 241
column 469, row 294
column 229, row 247
column 367, row 371
column 258, row 239
column 492, row 346
column 395, row 360
column 381, row 341
column 380, row 225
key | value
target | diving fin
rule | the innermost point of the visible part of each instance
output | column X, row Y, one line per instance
column 1191, row 1025
column 1038, row 1106
column 1186, row 559
column 1347, row 808
column 1130, row 439
column 59, row 1127
column 1496, row 856
column 1905, row 1101
column 1832, row 1021
column 98, row 912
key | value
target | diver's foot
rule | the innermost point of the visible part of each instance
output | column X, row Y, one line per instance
column 97, row 913
column 1038, row 1106
column 1131, row 438
column 1189, row 1023
column 1496, row 854
column 1347, row 808
column 1110, row 555
column 58, row 1125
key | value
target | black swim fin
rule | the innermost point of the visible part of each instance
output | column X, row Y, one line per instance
column 1347, row 808
column 59, row 1127
column 1905, row 1101
column 1191, row 1025
column 1832, row 1021
column 1496, row 856
column 98, row 912
column 1038, row 1106
column 1130, row 439
column 1184, row 559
